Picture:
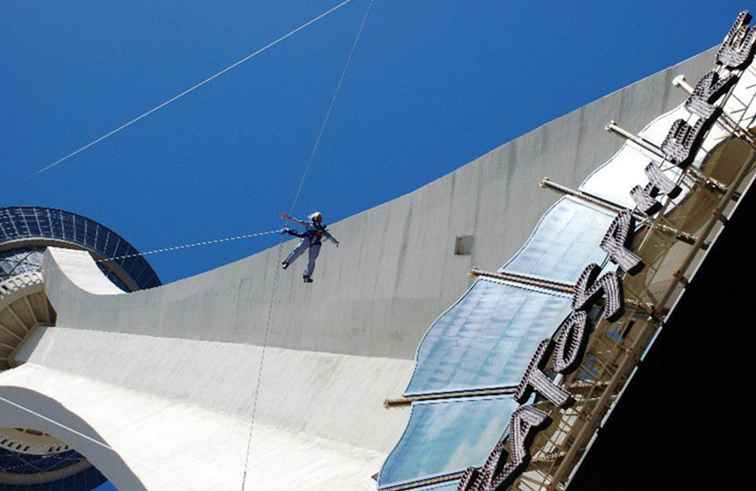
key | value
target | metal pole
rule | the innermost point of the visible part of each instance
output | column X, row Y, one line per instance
column 406, row 401
column 526, row 280
column 725, row 121
column 651, row 147
column 613, row 207
column 558, row 287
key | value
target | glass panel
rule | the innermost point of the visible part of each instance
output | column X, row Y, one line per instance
column 29, row 220
column 565, row 241
column 68, row 226
column 102, row 237
column 89, row 233
column 45, row 226
column 18, row 223
column 56, row 224
column 486, row 338
column 447, row 436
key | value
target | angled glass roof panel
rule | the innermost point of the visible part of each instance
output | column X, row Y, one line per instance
column 447, row 436
column 486, row 338
column 564, row 241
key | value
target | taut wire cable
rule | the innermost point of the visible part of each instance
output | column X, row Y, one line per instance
column 258, row 384
column 190, row 245
column 193, row 87
column 56, row 423
column 327, row 116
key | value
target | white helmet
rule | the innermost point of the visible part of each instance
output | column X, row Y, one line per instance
column 316, row 217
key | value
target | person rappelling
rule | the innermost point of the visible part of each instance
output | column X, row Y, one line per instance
column 312, row 239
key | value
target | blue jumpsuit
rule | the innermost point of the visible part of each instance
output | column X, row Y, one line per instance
column 312, row 239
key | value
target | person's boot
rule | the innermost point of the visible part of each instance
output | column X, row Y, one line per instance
column 307, row 279
column 284, row 264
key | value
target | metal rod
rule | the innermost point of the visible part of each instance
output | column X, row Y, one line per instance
column 591, row 198
column 608, row 205
column 724, row 120
column 612, row 127
column 406, row 401
column 651, row 147
column 421, row 483
column 680, row 82
column 710, row 182
column 557, row 287
column 526, row 280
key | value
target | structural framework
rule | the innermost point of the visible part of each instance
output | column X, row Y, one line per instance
column 243, row 376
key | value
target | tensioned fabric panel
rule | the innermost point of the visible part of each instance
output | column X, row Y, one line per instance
column 441, row 487
column 446, row 436
column 564, row 241
column 486, row 339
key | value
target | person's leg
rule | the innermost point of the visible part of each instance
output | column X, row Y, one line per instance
column 293, row 255
column 313, row 256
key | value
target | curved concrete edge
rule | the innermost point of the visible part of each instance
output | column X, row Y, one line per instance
column 21, row 406
column 82, row 273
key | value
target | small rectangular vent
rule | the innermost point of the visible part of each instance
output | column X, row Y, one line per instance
column 463, row 245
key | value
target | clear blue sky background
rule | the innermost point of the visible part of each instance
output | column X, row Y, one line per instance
column 433, row 84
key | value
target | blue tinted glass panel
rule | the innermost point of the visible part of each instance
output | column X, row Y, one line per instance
column 121, row 249
column 487, row 338
column 446, row 436
column 89, row 234
column 45, row 224
column 565, row 241
column 31, row 220
column 19, row 224
column 68, row 227
column 102, row 237
column 55, row 224
column 79, row 226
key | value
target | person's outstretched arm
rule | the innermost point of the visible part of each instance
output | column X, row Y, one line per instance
column 293, row 233
column 331, row 237
column 286, row 216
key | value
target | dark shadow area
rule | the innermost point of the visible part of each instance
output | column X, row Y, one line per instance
column 673, row 428
column 103, row 460
column 86, row 480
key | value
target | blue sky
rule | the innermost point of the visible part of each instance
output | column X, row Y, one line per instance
column 433, row 84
